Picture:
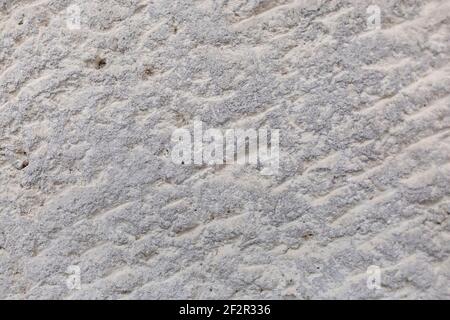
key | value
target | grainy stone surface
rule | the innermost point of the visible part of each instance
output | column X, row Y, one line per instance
column 87, row 180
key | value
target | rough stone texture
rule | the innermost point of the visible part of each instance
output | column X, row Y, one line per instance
column 86, row 176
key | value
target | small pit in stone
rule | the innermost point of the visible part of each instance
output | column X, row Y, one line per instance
column 308, row 236
column 97, row 63
column 100, row 63
column 148, row 72
column 24, row 164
